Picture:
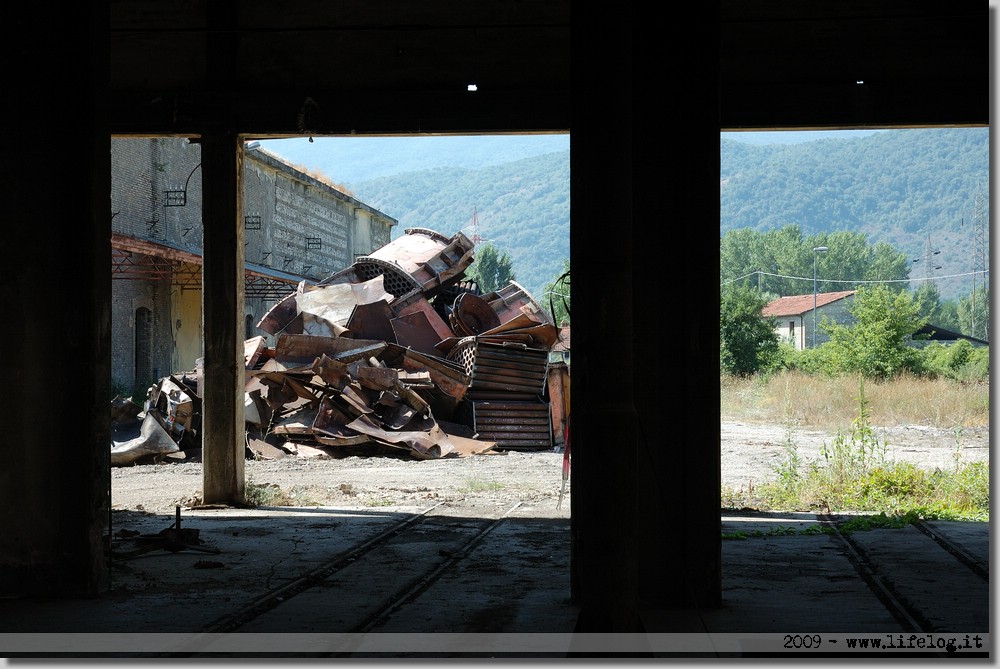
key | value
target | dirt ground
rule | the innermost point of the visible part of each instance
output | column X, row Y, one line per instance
column 750, row 454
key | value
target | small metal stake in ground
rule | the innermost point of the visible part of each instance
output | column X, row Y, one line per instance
column 565, row 468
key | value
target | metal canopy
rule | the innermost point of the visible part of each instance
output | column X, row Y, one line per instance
column 139, row 259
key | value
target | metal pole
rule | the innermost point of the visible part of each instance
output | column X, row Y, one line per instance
column 814, row 300
column 817, row 249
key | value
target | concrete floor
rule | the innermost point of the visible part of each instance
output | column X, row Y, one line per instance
column 351, row 583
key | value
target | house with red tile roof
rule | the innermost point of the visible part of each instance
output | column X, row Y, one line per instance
column 793, row 315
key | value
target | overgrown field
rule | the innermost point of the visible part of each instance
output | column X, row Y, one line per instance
column 831, row 403
column 855, row 475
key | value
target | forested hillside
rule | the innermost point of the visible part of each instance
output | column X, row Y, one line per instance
column 919, row 190
column 521, row 207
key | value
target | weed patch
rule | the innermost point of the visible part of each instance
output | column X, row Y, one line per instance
column 856, row 476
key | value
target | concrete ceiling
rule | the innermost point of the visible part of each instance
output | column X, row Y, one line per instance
column 316, row 67
column 391, row 67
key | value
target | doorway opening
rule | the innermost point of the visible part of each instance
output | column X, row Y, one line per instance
column 853, row 265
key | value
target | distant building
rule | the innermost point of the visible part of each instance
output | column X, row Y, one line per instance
column 933, row 333
column 793, row 316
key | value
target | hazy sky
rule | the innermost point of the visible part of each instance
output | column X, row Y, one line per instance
column 793, row 136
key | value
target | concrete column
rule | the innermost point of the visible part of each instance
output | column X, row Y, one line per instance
column 604, row 574
column 223, row 426
column 55, row 295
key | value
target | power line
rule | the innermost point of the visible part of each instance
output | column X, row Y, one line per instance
column 852, row 281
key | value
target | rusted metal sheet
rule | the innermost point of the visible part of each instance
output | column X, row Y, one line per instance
column 326, row 310
column 512, row 301
column 432, row 442
column 305, row 349
column 513, row 425
column 448, row 376
column 507, row 367
column 369, row 357
column 417, row 303
column 254, row 349
column 279, row 315
column 472, row 315
column 151, row 440
column 415, row 331
column 371, row 321
column 558, row 391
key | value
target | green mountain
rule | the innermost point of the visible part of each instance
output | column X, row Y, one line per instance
column 920, row 190
column 355, row 159
column 521, row 207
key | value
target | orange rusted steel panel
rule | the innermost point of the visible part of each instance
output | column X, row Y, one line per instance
column 303, row 349
column 558, row 387
column 429, row 258
column 504, row 367
column 415, row 331
column 417, row 303
column 472, row 315
column 371, row 321
column 512, row 301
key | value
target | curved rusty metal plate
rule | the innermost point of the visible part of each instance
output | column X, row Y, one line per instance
column 472, row 315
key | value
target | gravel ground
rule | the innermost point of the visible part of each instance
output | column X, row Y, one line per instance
column 750, row 454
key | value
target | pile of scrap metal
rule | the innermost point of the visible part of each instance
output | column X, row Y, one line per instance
column 397, row 354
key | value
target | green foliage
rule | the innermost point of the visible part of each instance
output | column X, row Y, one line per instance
column 876, row 344
column 856, row 476
column 898, row 186
column 959, row 360
column 748, row 342
column 782, row 261
column 492, row 269
column 974, row 313
column 851, row 455
column 946, row 359
column 557, row 296
column 928, row 301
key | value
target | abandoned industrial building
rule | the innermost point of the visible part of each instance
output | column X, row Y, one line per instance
column 296, row 228
column 191, row 84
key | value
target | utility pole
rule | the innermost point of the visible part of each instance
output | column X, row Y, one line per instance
column 979, row 261
column 816, row 250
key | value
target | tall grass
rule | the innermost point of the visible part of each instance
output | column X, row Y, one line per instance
column 830, row 404
column 855, row 475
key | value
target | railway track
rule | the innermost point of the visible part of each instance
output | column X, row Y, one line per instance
column 915, row 572
column 359, row 589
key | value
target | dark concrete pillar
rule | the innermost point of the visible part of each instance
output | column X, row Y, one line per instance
column 55, row 295
column 645, row 409
column 604, row 426
column 223, row 429
column 676, row 302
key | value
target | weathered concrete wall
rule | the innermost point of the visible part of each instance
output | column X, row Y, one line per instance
column 295, row 225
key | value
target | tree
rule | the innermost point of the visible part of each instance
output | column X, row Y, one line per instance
column 557, row 296
column 928, row 301
column 947, row 316
column 876, row 344
column 781, row 261
column 748, row 341
column 492, row 270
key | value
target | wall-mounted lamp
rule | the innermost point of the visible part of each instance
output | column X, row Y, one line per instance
column 176, row 196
